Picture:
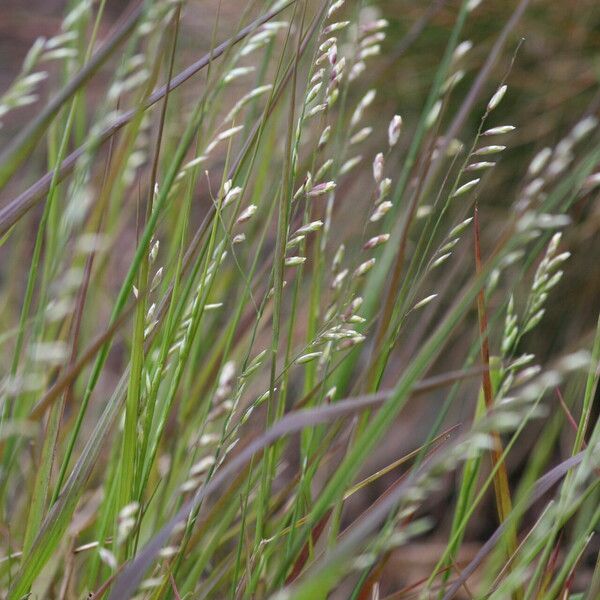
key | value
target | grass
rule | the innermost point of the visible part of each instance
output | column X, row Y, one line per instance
column 242, row 287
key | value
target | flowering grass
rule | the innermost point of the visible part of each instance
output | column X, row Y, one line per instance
column 240, row 283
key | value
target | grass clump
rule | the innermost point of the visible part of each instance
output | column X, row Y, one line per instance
column 241, row 284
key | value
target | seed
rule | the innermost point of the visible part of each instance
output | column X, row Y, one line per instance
column 316, row 110
column 225, row 135
column 322, row 188
column 324, row 168
column 394, row 129
column 310, row 227
column 499, row 130
column 463, row 189
column 338, row 279
column 424, row 302
column 335, row 27
column 433, row 114
column 294, row 261
column 308, row 357
column 488, row 150
column 496, row 98
column 539, row 161
column 312, row 94
column 378, row 167
column 380, row 211
column 370, row 51
column 237, row 72
column 350, row 164
column 462, row 49
column 376, row 241
column 459, row 228
column 335, row 6
column 384, row 188
column 324, row 137
column 364, row 268
column 441, row 259
column 202, row 466
column 361, row 135
column 478, row 166
column 247, row 214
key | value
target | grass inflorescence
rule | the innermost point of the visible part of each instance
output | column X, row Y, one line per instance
column 264, row 331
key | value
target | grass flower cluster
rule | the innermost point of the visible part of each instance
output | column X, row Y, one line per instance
column 233, row 280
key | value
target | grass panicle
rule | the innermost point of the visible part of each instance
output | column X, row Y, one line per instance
column 248, row 352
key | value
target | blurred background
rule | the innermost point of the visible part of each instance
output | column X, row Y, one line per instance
column 552, row 64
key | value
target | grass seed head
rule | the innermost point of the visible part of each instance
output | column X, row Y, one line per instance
column 294, row 261
column 499, row 130
column 463, row 189
column 486, row 150
column 425, row 301
column 380, row 211
column 376, row 241
column 361, row 135
column 335, row 6
column 496, row 98
column 309, row 357
column 350, row 164
column 394, row 130
column 247, row 214
column 378, row 164
column 479, row 166
column 321, row 189
column 357, row 69
column 461, row 50
column 433, row 114
column 539, row 161
column 363, row 268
